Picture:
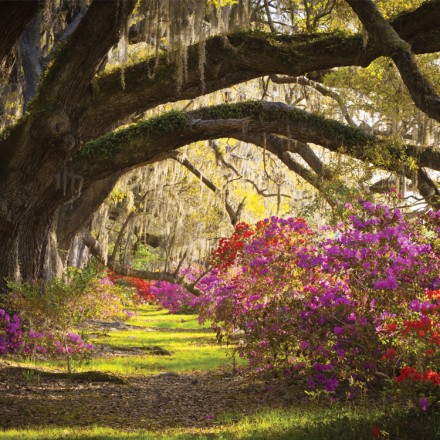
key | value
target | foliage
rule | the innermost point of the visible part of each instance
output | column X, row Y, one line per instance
column 195, row 350
column 69, row 347
column 175, row 297
column 153, row 332
column 145, row 256
column 342, row 307
column 141, row 288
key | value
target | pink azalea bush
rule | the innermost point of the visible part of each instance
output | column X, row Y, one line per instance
column 68, row 347
column 324, row 304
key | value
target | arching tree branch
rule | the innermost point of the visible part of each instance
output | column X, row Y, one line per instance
column 237, row 58
column 156, row 276
column 156, row 139
column 380, row 31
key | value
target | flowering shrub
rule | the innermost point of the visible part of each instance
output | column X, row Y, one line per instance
column 106, row 300
column 175, row 297
column 10, row 333
column 62, row 304
column 341, row 306
column 51, row 309
column 414, row 343
column 69, row 347
column 142, row 287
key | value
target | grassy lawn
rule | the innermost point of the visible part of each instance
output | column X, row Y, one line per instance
column 192, row 346
column 149, row 316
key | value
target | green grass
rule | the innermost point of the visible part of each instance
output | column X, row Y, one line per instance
column 149, row 316
column 307, row 423
column 192, row 347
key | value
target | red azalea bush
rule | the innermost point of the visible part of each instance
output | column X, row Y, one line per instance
column 141, row 287
column 338, row 305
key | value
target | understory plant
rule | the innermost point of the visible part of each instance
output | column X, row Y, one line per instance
column 51, row 310
column 175, row 297
column 170, row 296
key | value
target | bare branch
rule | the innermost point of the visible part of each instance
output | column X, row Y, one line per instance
column 319, row 87
column 176, row 272
column 183, row 160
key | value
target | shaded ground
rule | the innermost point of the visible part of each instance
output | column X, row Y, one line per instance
column 29, row 400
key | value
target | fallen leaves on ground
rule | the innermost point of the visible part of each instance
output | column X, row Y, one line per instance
column 146, row 402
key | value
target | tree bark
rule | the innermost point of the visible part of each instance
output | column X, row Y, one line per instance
column 142, row 144
column 380, row 32
column 14, row 17
column 238, row 58
column 39, row 146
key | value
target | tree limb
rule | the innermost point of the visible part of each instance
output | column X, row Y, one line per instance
column 321, row 88
column 183, row 160
column 245, row 56
column 380, row 31
column 156, row 139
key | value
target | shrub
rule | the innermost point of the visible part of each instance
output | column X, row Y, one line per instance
column 52, row 309
column 341, row 305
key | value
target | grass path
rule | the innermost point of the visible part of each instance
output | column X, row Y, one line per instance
column 179, row 385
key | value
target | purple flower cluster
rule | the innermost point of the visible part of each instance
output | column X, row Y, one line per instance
column 48, row 344
column 174, row 297
column 318, row 303
column 10, row 333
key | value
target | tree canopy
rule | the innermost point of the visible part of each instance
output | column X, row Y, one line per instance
column 91, row 92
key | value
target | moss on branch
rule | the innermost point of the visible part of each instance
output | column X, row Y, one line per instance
column 107, row 145
column 180, row 128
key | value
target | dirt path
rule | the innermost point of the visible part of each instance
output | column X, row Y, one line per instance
column 148, row 402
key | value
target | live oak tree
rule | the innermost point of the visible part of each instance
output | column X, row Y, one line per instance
column 61, row 159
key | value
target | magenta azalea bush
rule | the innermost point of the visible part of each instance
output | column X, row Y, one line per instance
column 13, row 340
column 175, row 297
column 338, row 306
column 68, row 347
column 10, row 333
